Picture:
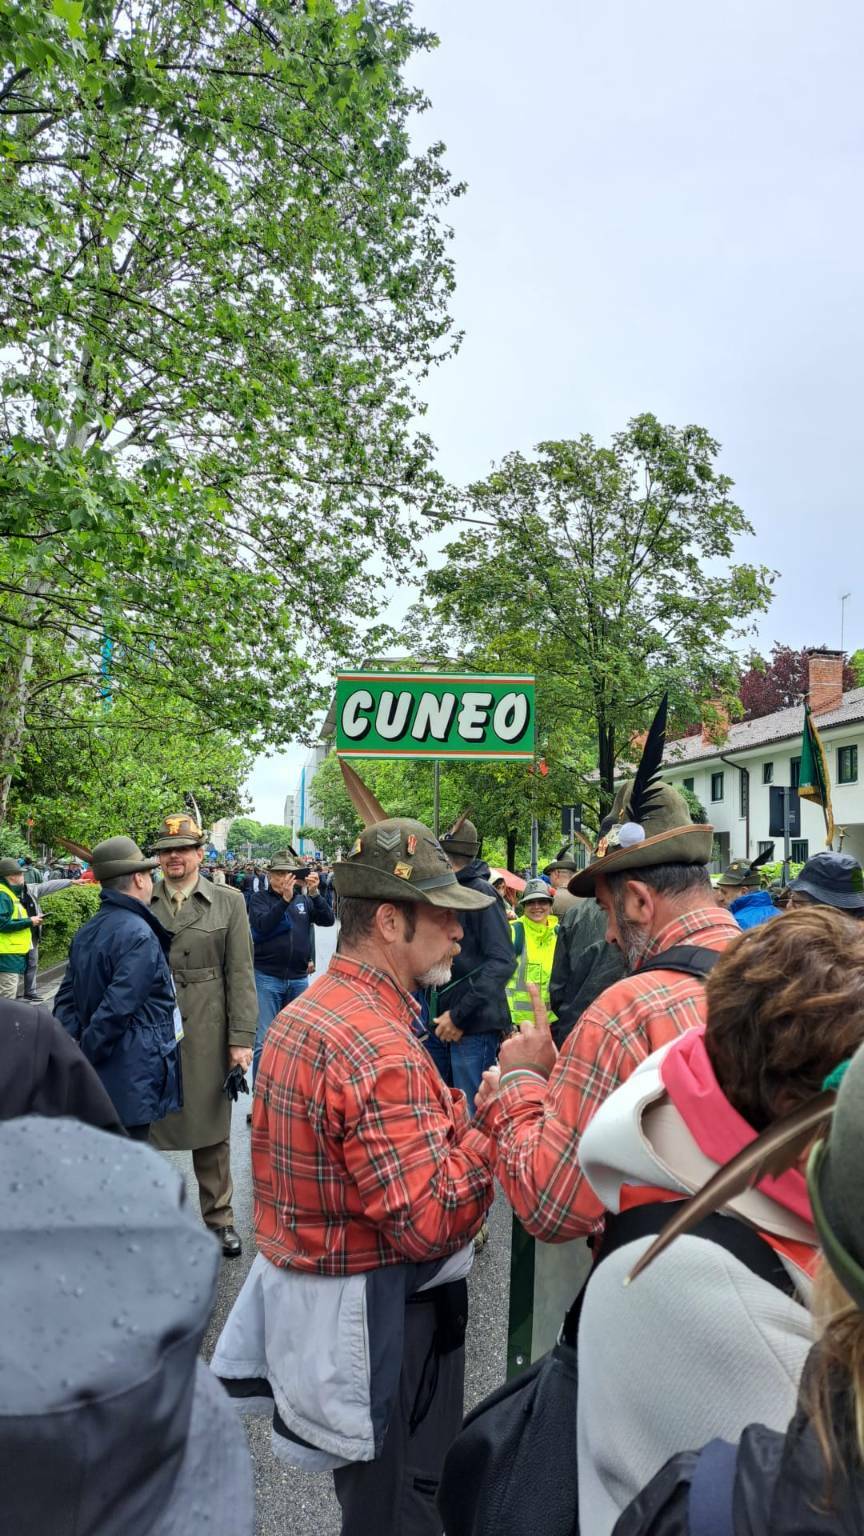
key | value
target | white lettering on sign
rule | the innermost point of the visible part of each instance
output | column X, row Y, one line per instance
column 433, row 717
column 510, row 717
column 352, row 722
column 393, row 715
column 474, row 715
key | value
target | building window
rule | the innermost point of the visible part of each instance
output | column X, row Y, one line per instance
column 795, row 772
column 716, row 786
column 743, row 793
column 765, row 847
column 799, row 850
column 847, row 765
column 767, row 773
column 689, row 784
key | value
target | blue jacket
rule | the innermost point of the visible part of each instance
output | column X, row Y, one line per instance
column 754, row 908
column 476, row 996
column 282, row 931
column 117, row 1000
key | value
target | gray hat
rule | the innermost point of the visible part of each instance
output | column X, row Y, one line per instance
column 536, row 890
column 10, row 867
column 462, row 838
column 401, row 860
column 833, row 880
column 286, row 862
column 834, row 1181
column 109, row 1422
column 119, row 856
column 564, row 863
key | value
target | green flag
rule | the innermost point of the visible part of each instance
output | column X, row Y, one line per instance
column 814, row 782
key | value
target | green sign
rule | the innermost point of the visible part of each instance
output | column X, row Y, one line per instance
column 401, row 714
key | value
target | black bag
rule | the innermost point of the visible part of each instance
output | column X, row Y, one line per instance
column 513, row 1468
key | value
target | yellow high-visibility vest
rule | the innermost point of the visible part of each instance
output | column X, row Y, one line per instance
column 535, row 964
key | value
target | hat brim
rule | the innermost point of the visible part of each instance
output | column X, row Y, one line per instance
column 680, row 845
column 165, row 843
column 846, row 901
column 739, row 885
column 825, row 1219
column 116, row 867
column 214, row 1489
column 354, row 878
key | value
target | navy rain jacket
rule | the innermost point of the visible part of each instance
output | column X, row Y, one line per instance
column 117, row 1000
column 282, row 932
column 476, row 996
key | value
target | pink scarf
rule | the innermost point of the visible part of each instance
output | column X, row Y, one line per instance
column 717, row 1129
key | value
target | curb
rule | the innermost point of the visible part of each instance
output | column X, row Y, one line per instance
column 53, row 973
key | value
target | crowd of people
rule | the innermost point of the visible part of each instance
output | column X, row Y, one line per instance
column 597, row 1052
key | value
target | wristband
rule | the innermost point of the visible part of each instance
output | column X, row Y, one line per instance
column 523, row 1072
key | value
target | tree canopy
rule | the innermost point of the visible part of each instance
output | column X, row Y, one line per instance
column 223, row 271
column 608, row 572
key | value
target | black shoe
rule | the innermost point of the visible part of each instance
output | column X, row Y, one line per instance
column 231, row 1244
column 32, row 997
column 249, row 1118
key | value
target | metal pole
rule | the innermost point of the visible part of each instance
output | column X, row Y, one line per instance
column 436, row 796
column 572, row 835
column 843, row 601
column 535, row 843
column 787, row 812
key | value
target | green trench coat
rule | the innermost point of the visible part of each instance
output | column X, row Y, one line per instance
column 211, row 960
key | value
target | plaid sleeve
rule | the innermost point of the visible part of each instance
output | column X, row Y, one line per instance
column 535, row 1131
column 421, row 1183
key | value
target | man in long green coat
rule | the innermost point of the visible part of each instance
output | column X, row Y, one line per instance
column 211, row 961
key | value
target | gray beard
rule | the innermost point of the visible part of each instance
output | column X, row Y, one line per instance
column 437, row 975
column 634, row 942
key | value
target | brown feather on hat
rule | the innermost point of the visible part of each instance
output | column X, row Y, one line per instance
column 362, row 799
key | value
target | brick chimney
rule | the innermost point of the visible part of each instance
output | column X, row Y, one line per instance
column 824, row 680
column 715, row 728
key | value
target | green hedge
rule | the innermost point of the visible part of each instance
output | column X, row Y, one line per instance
column 65, row 911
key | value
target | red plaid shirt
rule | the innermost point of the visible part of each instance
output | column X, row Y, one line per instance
column 361, row 1155
column 536, row 1127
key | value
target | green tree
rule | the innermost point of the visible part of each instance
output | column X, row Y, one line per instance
column 856, row 663
column 223, row 271
column 608, row 573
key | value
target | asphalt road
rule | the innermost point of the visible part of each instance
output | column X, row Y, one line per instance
column 301, row 1502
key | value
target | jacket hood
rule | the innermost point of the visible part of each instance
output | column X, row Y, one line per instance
column 478, row 869
column 638, row 1138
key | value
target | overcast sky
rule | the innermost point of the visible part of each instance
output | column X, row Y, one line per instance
column 664, row 213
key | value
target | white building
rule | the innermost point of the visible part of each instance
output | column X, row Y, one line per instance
column 288, row 812
column 305, row 814
column 733, row 779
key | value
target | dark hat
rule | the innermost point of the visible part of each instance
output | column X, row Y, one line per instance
column 10, row 867
column 109, row 1422
column 462, row 838
column 746, row 871
column 401, row 860
column 569, row 864
column 180, row 831
column 119, row 856
column 833, row 880
column 536, row 890
column 834, row 1182
column 649, row 824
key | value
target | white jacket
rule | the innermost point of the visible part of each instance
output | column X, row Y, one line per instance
column 698, row 1346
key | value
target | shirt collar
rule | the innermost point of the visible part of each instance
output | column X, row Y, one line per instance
column 379, row 981
column 685, row 927
column 185, row 890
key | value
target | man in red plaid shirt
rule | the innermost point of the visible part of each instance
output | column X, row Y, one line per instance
column 369, row 1184
column 650, row 876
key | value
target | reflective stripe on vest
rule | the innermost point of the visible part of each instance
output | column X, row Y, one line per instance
column 17, row 943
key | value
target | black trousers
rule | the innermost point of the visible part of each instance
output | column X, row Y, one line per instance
column 395, row 1495
column 137, row 1132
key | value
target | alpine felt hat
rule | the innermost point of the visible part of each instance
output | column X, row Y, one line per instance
column 402, row 860
column 462, row 838
column 286, row 862
column 833, row 880
column 536, row 890
column 109, row 1421
column 10, row 867
column 740, row 873
column 563, row 863
column 834, row 1182
column 649, row 824
column 180, row 831
column 119, row 856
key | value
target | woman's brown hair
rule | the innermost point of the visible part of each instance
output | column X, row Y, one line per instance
column 785, row 1006
column 833, row 1387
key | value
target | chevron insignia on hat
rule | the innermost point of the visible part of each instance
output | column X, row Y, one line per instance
column 390, row 839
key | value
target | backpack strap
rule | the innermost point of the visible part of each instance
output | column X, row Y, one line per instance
column 518, row 936
column 739, row 1239
column 690, row 959
column 709, row 1503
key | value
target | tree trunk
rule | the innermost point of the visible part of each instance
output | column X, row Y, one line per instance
column 12, row 706
column 606, row 765
column 511, row 850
